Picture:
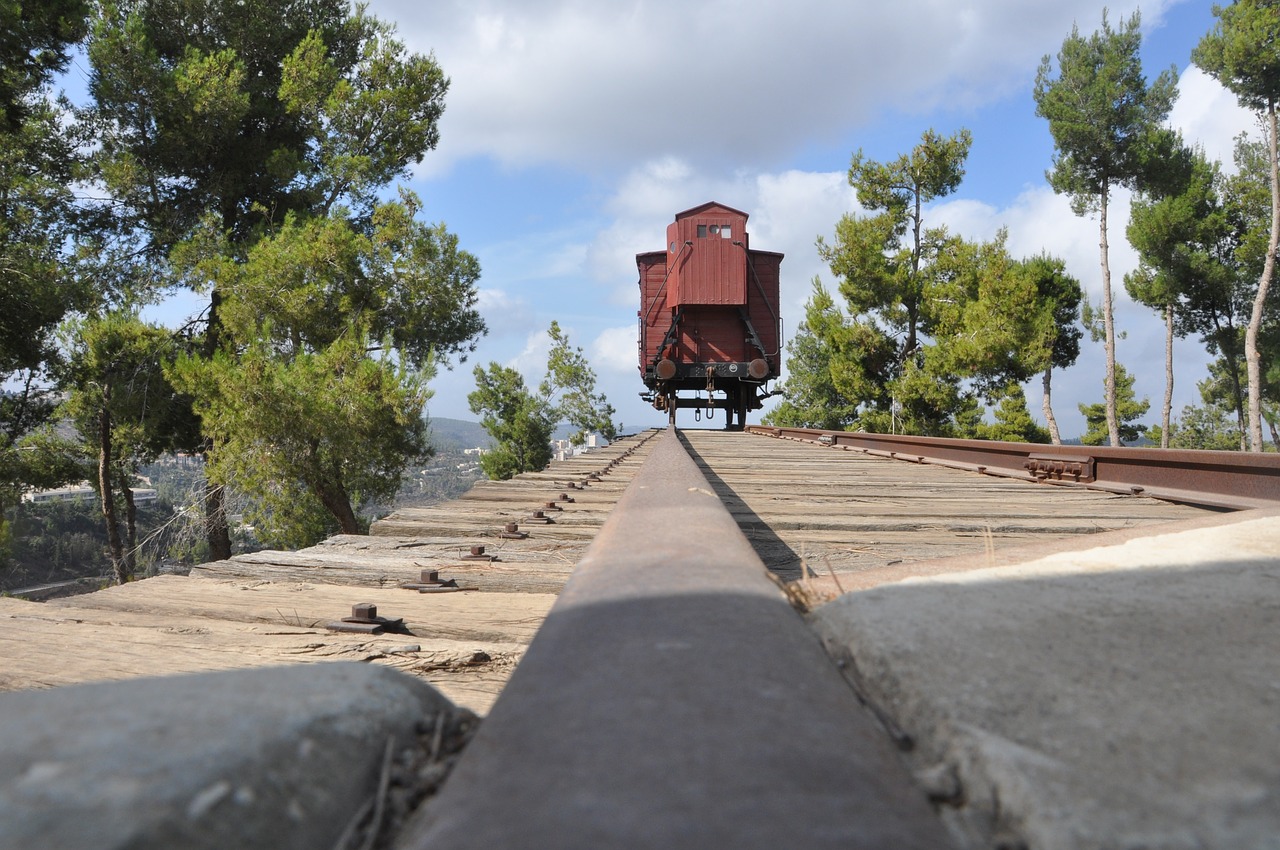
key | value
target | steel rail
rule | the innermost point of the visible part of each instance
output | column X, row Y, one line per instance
column 1228, row 480
column 673, row 698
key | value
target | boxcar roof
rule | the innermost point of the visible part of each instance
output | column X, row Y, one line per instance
column 706, row 206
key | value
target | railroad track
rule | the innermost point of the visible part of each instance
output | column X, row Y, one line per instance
column 673, row 698
column 1074, row 661
column 1229, row 480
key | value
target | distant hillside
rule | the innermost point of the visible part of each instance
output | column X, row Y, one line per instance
column 457, row 434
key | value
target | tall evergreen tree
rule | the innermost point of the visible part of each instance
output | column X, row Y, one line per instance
column 1101, row 113
column 1243, row 53
column 886, row 260
column 1127, row 409
column 125, row 411
column 1013, row 422
column 1062, row 294
column 516, row 418
column 1177, row 226
column 522, row 421
column 230, row 117
column 38, row 286
column 315, row 405
column 34, row 40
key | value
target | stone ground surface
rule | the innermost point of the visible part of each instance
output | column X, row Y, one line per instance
column 280, row 758
column 1117, row 697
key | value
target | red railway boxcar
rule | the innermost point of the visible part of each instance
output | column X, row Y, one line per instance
column 709, row 321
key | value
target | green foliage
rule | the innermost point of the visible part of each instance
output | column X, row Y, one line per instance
column 1062, row 294
column 1181, row 231
column 879, row 273
column 889, row 264
column 927, row 311
column 311, row 436
column 1013, row 421
column 520, row 421
column 124, row 410
column 37, row 224
column 569, row 389
column 117, row 362
column 991, row 321
column 330, row 333
column 1104, row 120
column 247, row 146
column 811, row 399
column 57, row 541
column 34, row 38
column 1205, row 427
column 1241, row 52
column 1247, row 196
column 252, row 109
column 1101, row 112
column 1128, row 409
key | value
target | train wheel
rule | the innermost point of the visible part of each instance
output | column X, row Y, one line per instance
column 671, row 411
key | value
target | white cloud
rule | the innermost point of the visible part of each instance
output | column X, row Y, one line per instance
column 717, row 83
column 1209, row 115
column 504, row 314
column 615, row 350
column 531, row 362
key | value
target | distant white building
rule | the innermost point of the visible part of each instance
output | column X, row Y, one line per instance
column 80, row 492
column 563, row 449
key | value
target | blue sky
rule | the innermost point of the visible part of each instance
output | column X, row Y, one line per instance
column 574, row 131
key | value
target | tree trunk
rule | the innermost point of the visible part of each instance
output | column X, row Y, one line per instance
column 114, row 545
column 1048, row 408
column 338, row 503
column 217, row 532
column 1227, row 339
column 1108, row 323
column 1253, row 360
column 1168, row 376
column 130, row 530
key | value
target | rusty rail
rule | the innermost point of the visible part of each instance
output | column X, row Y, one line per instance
column 673, row 698
column 1228, row 480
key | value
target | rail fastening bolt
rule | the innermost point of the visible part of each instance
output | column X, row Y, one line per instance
column 364, row 611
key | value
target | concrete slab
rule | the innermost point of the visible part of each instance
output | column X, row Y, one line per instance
column 1118, row 697
column 270, row 758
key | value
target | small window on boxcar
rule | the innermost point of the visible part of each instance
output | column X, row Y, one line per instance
column 725, row 231
column 702, row 231
column 673, row 247
column 715, row 230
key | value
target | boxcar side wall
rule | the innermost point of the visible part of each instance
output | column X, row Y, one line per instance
column 654, row 315
column 763, row 304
